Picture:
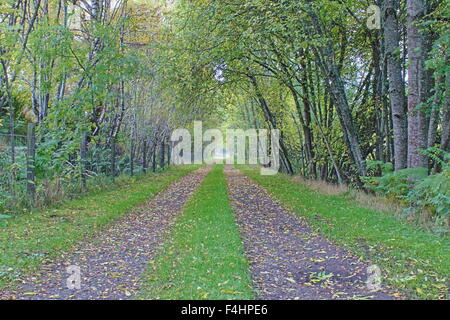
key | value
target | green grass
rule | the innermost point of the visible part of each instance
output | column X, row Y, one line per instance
column 205, row 257
column 26, row 240
column 416, row 262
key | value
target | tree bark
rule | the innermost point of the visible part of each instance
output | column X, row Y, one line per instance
column 417, row 120
column 270, row 119
column 435, row 115
column 309, row 136
column 308, row 142
column 396, row 83
column 445, row 138
column 326, row 57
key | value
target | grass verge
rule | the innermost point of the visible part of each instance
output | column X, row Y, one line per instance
column 416, row 262
column 26, row 240
column 205, row 257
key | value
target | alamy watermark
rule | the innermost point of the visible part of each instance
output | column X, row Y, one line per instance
column 240, row 146
column 374, row 17
column 374, row 278
column 74, row 280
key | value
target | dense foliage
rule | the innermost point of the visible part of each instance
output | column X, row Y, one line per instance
column 79, row 96
column 104, row 83
column 336, row 87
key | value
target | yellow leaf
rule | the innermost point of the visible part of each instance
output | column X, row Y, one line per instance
column 291, row 280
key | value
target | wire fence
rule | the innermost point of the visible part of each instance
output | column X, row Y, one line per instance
column 13, row 176
column 20, row 141
column 49, row 177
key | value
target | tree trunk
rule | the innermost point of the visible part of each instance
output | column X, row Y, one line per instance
column 377, row 95
column 270, row 119
column 327, row 60
column 339, row 97
column 434, row 116
column 396, row 83
column 445, row 138
column 417, row 122
column 12, row 143
column 309, row 137
column 302, row 151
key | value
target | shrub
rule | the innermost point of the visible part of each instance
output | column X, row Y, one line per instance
column 395, row 184
column 415, row 187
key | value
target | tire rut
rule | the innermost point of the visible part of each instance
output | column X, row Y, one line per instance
column 111, row 263
column 288, row 260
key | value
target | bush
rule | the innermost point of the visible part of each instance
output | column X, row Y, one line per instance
column 433, row 192
column 415, row 187
column 395, row 184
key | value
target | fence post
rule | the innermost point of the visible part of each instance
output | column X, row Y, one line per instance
column 162, row 153
column 154, row 159
column 113, row 157
column 31, row 154
column 169, row 150
column 83, row 155
column 144, row 156
column 132, row 157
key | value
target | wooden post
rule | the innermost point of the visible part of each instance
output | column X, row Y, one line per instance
column 132, row 157
column 162, row 153
column 154, row 160
column 83, row 155
column 113, row 157
column 144, row 156
column 169, row 150
column 31, row 172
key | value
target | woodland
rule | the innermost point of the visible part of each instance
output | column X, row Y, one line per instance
column 91, row 90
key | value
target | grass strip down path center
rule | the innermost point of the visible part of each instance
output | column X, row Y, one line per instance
column 205, row 257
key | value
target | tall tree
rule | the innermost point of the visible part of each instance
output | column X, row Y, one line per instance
column 396, row 82
column 417, row 119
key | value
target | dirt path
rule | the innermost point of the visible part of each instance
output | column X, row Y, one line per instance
column 288, row 261
column 111, row 264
